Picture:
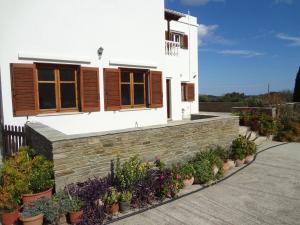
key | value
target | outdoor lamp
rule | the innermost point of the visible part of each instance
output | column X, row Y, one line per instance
column 100, row 52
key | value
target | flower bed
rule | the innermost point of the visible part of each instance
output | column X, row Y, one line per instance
column 131, row 185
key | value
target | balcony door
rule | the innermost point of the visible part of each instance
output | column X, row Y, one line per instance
column 169, row 111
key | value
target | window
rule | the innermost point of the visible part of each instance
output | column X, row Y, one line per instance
column 176, row 37
column 133, row 88
column 57, row 88
column 187, row 92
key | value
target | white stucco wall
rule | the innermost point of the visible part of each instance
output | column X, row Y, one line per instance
column 131, row 31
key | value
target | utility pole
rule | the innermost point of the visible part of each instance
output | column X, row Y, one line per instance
column 268, row 88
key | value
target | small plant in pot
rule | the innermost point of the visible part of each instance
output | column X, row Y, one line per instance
column 224, row 154
column 32, row 215
column 126, row 198
column 187, row 172
column 41, row 180
column 111, row 199
column 8, row 207
column 250, row 151
column 75, row 210
column 238, row 150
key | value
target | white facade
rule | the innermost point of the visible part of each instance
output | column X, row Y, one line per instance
column 132, row 34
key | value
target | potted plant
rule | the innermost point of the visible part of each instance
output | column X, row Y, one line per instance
column 41, row 180
column 126, row 197
column 187, row 172
column 250, row 151
column 238, row 150
column 32, row 215
column 111, row 199
column 8, row 206
column 224, row 154
column 75, row 209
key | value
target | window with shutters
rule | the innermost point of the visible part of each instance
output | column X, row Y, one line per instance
column 133, row 88
column 188, row 92
column 179, row 38
column 57, row 88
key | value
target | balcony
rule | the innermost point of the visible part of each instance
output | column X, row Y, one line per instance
column 172, row 48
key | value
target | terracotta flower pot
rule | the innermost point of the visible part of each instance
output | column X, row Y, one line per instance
column 188, row 182
column 29, row 198
column 35, row 220
column 114, row 209
column 76, row 217
column 228, row 165
column 239, row 162
column 249, row 159
column 124, row 206
column 9, row 218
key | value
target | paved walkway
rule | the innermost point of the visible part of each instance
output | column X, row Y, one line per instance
column 266, row 192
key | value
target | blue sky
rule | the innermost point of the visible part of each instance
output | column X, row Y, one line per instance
column 245, row 44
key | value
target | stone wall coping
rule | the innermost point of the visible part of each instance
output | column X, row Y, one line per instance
column 248, row 107
column 54, row 135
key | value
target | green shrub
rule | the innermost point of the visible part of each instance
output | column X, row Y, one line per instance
column 242, row 147
column 126, row 196
column 41, row 177
column 288, row 128
column 24, row 173
column 111, row 197
column 130, row 172
column 186, row 171
column 203, row 171
column 221, row 152
column 49, row 208
column 203, row 163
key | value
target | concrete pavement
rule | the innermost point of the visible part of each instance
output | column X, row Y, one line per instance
column 265, row 192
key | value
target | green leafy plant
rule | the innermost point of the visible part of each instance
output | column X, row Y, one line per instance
column 242, row 147
column 111, row 197
column 130, row 172
column 22, row 174
column 186, row 171
column 30, row 211
column 126, row 196
column 7, row 201
column 222, row 153
column 203, row 171
column 48, row 207
column 41, row 176
column 204, row 163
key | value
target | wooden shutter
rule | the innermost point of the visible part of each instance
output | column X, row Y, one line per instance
column 190, row 92
column 112, row 92
column 167, row 35
column 89, row 89
column 24, row 89
column 156, row 89
column 185, row 42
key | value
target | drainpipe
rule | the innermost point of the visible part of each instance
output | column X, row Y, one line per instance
column 189, row 42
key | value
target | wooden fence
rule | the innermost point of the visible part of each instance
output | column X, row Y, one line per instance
column 13, row 138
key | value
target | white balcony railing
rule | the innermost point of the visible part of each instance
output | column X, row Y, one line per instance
column 172, row 48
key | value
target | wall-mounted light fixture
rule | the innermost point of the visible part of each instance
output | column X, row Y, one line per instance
column 100, row 52
column 194, row 76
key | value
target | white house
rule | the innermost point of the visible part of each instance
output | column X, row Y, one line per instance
column 83, row 66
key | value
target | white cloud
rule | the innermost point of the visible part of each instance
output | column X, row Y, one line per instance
column 198, row 2
column 243, row 53
column 294, row 41
column 207, row 34
column 289, row 2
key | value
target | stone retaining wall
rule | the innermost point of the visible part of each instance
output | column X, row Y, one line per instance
column 79, row 157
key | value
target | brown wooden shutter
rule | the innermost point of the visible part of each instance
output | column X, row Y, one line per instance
column 89, row 89
column 156, row 89
column 112, row 92
column 167, row 35
column 190, row 92
column 24, row 89
column 185, row 42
